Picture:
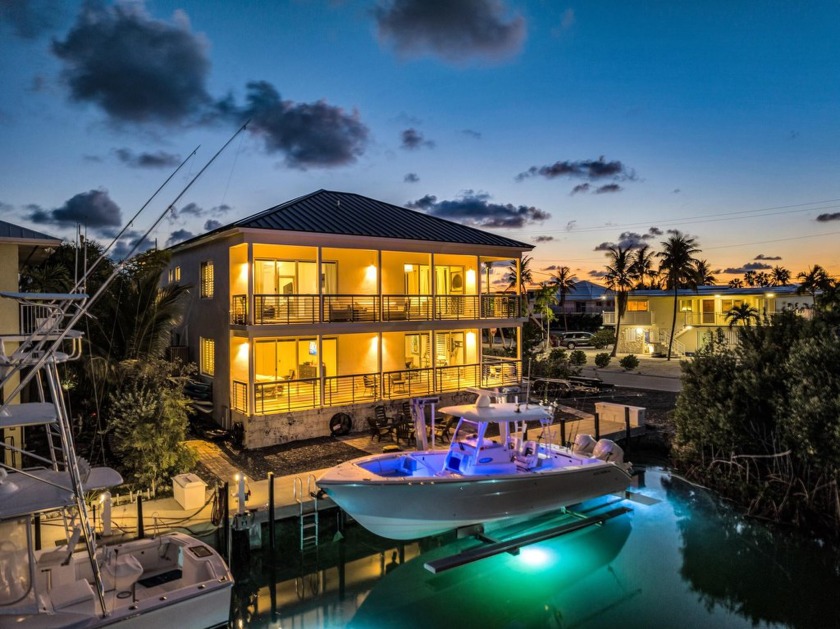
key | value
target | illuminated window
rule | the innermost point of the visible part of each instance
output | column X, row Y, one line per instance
column 177, row 274
column 207, row 356
column 206, row 280
column 170, row 276
column 637, row 306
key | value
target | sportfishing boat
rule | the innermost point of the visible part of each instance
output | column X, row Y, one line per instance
column 490, row 472
column 172, row 580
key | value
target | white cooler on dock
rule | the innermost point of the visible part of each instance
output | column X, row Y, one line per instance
column 189, row 491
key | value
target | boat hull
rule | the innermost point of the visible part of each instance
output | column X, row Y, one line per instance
column 413, row 507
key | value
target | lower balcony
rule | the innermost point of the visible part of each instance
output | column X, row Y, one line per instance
column 286, row 395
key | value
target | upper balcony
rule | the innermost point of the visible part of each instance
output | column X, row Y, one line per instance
column 629, row 318
column 309, row 309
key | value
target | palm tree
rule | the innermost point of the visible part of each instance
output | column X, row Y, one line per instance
column 703, row 274
column 742, row 313
column 678, row 266
column 780, row 275
column 545, row 298
column 736, row 283
column 644, row 269
column 763, row 279
column 564, row 282
column 620, row 278
column 749, row 278
column 813, row 280
column 520, row 276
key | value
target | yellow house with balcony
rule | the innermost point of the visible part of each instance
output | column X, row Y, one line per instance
column 646, row 324
column 335, row 302
column 18, row 246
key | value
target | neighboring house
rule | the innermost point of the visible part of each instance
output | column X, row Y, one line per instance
column 334, row 302
column 587, row 298
column 18, row 246
column 646, row 325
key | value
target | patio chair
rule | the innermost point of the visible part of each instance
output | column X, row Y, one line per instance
column 377, row 431
column 381, row 418
column 443, row 428
column 397, row 384
column 404, row 431
column 370, row 385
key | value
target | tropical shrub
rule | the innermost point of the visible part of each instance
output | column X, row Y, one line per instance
column 149, row 421
column 603, row 338
column 602, row 360
column 577, row 358
column 760, row 422
column 629, row 362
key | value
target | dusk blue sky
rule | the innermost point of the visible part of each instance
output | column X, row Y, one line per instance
column 565, row 125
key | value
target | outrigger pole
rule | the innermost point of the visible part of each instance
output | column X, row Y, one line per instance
column 62, row 334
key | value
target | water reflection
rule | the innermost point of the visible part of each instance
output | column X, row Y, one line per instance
column 757, row 572
column 686, row 561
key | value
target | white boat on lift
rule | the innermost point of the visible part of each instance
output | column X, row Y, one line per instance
column 171, row 580
column 489, row 473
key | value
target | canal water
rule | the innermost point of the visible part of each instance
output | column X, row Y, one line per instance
column 681, row 558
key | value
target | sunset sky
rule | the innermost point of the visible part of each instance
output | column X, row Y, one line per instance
column 569, row 126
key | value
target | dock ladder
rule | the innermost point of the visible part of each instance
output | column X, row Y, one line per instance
column 308, row 512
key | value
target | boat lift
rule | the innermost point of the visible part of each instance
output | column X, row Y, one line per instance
column 493, row 547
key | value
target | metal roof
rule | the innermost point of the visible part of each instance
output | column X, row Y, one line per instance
column 711, row 290
column 345, row 213
column 9, row 231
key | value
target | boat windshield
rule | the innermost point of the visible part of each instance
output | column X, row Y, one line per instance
column 466, row 432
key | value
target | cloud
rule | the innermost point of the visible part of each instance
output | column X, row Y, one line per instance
column 30, row 18
column 6, row 207
column 475, row 135
column 179, row 235
column 129, row 240
column 761, row 256
column 589, row 169
column 608, row 188
column 307, row 134
column 411, row 178
column 824, row 218
column 159, row 159
column 597, row 274
column 543, row 238
column 581, row 187
column 571, row 225
column 94, row 208
column 211, row 224
column 195, row 210
column 566, row 22
column 135, row 68
column 749, row 266
column 413, row 139
column 631, row 240
column 455, row 31
column 475, row 209
column 552, row 267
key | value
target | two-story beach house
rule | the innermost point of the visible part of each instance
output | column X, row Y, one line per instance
column 335, row 302
column 646, row 324
column 18, row 246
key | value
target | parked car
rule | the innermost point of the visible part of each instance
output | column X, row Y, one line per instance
column 572, row 340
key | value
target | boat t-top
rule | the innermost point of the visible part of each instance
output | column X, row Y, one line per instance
column 490, row 472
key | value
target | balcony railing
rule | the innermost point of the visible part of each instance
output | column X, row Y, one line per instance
column 407, row 308
column 281, row 396
column 500, row 306
column 239, row 396
column 407, row 383
column 289, row 309
column 285, row 309
column 352, row 389
column 629, row 318
column 351, row 308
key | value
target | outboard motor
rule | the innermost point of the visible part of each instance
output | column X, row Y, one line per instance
column 584, row 444
column 609, row 451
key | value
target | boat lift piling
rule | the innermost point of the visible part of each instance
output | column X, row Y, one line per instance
column 492, row 548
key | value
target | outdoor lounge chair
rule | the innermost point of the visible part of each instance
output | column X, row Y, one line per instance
column 370, row 385
column 378, row 431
